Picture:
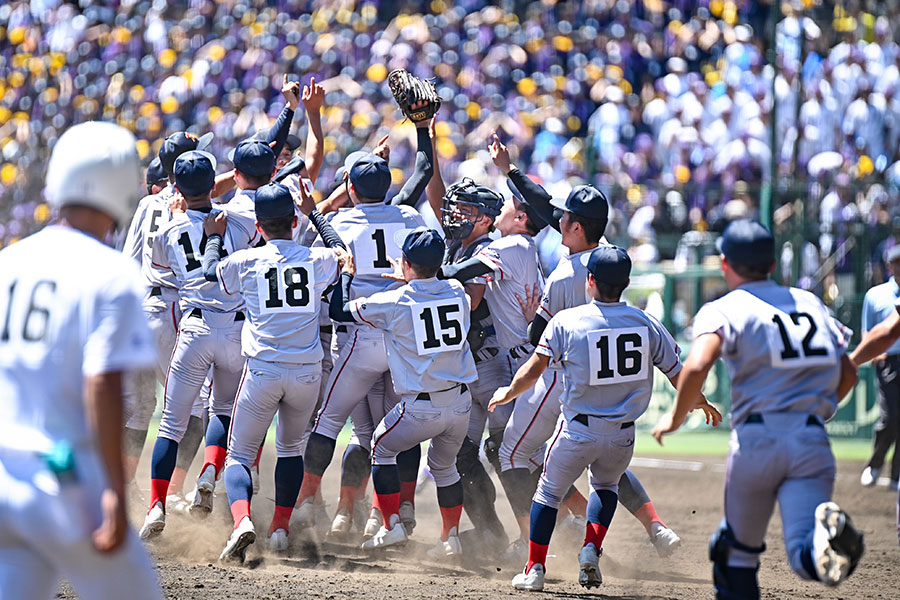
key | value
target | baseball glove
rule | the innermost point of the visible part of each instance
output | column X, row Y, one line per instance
column 409, row 90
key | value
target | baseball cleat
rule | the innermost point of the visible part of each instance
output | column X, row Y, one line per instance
column 342, row 522
column 278, row 541
column 154, row 522
column 305, row 514
column 322, row 520
column 373, row 524
column 664, row 540
column 517, row 552
column 837, row 545
column 360, row 512
column 387, row 537
column 176, row 503
column 202, row 505
column 236, row 548
column 869, row 477
column 589, row 567
column 408, row 516
column 444, row 549
column 533, row 580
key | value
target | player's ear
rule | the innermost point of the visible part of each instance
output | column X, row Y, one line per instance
column 259, row 227
column 294, row 222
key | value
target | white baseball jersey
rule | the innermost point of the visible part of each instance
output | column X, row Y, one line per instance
column 487, row 323
column 607, row 351
column 514, row 262
column 281, row 284
column 244, row 205
column 70, row 307
column 368, row 230
column 425, row 324
column 151, row 215
column 567, row 285
column 178, row 248
column 782, row 348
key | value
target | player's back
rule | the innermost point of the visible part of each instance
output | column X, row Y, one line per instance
column 62, row 296
column 369, row 230
column 282, row 285
column 243, row 206
column 781, row 346
column 179, row 248
column 150, row 217
column 566, row 286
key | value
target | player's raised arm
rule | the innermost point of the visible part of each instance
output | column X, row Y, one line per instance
column 339, row 309
column 329, row 236
column 276, row 135
column 534, row 194
column 214, row 227
column 313, row 98
column 877, row 340
column 436, row 188
column 412, row 190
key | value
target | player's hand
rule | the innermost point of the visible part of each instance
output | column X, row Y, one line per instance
column 499, row 398
column 215, row 224
column 177, row 203
column 499, row 153
column 419, row 106
column 313, row 96
column 291, row 92
column 307, row 204
column 345, row 260
column 397, row 273
column 664, row 427
column 531, row 302
column 713, row 416
column 114, row 527
column 382, row 149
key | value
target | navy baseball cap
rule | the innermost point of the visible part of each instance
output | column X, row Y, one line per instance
column 610, row 264
column 371, row 176
column 748, row 243
column 421, row 246
column 274, row 201
column 585, row 201
column 177, row 144
column 253, row 157
column 541, row 215
column 155, row 173
column 292, row 142
column 195, row 173
column 295, row 165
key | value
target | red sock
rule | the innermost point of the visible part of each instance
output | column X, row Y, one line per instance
column 347, row 498
column 594, row 534
column 449, row 520
column 309, row 487
column 281, row 518
column 537, row 554
column 576, row 504
column 215, row 456
column 258, row 455
column 647, row 516
column 390, row 506
column 239, row 510
column 158, row 490
column 408, row 492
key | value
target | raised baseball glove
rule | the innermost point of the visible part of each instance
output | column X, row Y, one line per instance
column 409, row 90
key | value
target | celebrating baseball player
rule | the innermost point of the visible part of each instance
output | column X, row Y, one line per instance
column 209, row 335
column 72, row 327
column 786, row 356
column 425, row 324
column 606, row 350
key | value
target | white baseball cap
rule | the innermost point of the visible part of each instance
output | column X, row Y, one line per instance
column 95, row 164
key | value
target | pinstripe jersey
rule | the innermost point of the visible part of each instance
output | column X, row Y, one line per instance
column 607, row 351
column 151, row 215
column 782, row 348
column 244, row 204
column 567, row 285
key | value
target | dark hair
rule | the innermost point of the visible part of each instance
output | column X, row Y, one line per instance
column 279, row 227
column 593, row 228
column 753, row 273
column 608, row 291
column 198, row 198
column 422, row 271
column 530, row 226
column 256, row 180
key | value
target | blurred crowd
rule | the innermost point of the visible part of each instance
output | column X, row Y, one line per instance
column 666, row 104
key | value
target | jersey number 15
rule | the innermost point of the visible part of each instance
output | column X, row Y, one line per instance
column 437, row 326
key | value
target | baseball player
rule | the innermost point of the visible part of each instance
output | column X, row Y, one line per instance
column 72, row 325
column 208, row 335
column 425, row 324
column 368, row 229
column 156, row 177
column 582, row 222
column 785, row 355
column 282, row 285
column 606, row 350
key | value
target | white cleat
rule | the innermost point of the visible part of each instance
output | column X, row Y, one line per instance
column 664, row 540
column 373, row 524
column 589, row 567
column 408, row 516
column 236, row 548
column 445, row 549
column 154, row 522
column 278, row 541
column 533, row 580
column 837, row 545
column 305, row 514
column 360, row 511
column 869, row 477
column 342, row 522
column 517, row 552
column 387, row 537
column 202, row 504
column 176, row 503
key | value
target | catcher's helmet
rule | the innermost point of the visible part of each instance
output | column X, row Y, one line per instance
column 464, row 204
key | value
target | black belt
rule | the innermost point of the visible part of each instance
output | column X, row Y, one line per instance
column 427, row 396
column 758, row 418
column 521, row 351
column 341, row 328
column 324, row 328
column 492, row 352
column 196, row 312
column 583, row 419
column 155, row 291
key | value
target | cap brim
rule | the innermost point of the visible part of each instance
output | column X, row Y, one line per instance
column 558, row 203
column 400, row 237
column 719, row 243
column 231, row 154
column 295, row 165
column 352, row 159
column 205, row 140
column 515, row 191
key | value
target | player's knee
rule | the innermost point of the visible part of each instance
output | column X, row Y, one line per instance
column 734, row 565
column 549, row 494
column 444, row 475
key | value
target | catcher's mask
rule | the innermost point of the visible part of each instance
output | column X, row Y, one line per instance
column 464, row 205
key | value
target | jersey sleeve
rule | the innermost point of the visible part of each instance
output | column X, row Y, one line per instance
column 868, row 312
column 134, row 240
column 665, row 352
column 228, row 271
column 377, row 310
column 710, row 319
column 503, row 257
column 413, row 218
column 327, row 270
column 118, row 337
column 552, row 300
column 552, row 342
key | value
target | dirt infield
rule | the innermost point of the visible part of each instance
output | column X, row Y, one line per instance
column 688, row 497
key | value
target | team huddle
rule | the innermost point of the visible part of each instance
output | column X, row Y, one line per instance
column 272, row 307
